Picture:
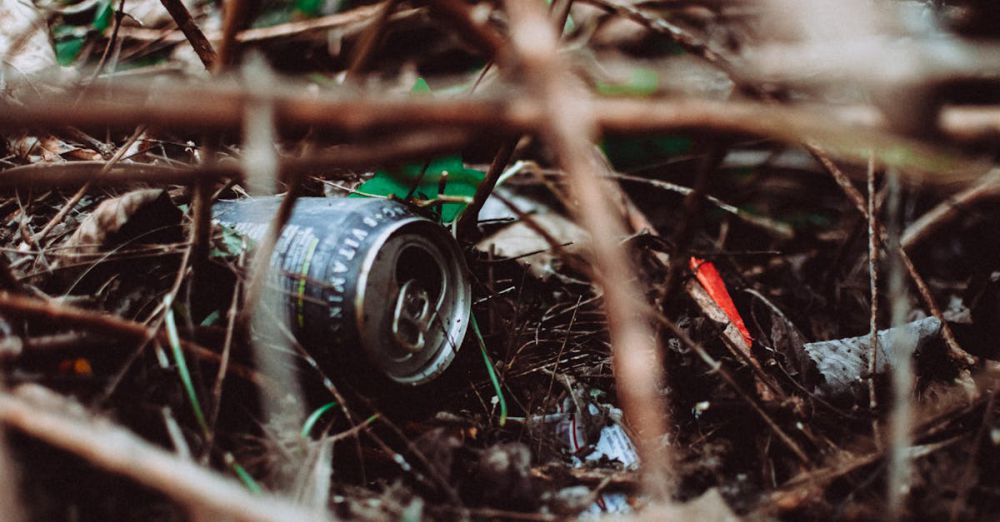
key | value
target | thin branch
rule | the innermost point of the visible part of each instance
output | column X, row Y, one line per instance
column 716, row 367
column 202, row 47
column 76, row 173
column 49, row 417
column 235, row 20
column 220, row 106
column 986, row 189
column 105, row 324
column 569, row 127
column 873, row 241
column 348, row 21
column 470, row 216
column 370, row 38
column 480, row 34
column 903, row 344
column 71, row 204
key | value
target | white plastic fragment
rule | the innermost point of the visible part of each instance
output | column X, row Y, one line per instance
column 612, row 443
column 616, row 445
column 608, row 503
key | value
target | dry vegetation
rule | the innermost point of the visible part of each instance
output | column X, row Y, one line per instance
column 674, row 202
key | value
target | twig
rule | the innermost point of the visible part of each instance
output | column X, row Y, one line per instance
column 968, row 476
column 987, row 188
column 716, row 367
column 557, row 248
column 766, row 388
column 235, row 20
column 44, row 415
column 691, row 212
column 71, row 204
column 201, row 222
column 42, row 175
column 559, row 11
column 105, row 324
column 370, row 39
column 772, row 227
column 480, row 34
column 682, row 37
column 873, row 240
column 202, row 47
column 227, row 344
column 470, row 216
column 119, row 14
column 221, row 106
column 496, row 45
column 901, row 418
column 356, row 18
column 568, row 126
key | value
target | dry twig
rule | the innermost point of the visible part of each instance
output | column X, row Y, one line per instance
column 568, row 126
column 202, row 47
column 44, row 415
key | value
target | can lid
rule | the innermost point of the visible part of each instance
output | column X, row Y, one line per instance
column 413, row 301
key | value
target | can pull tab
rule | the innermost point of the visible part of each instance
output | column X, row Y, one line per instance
column 411, row 320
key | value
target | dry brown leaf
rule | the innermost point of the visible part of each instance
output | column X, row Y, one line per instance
column 530, row 249
column 106, row 220
column 25, row 46
column 47, row 148
column 24, row 37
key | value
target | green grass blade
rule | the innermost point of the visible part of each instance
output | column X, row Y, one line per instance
column 182, row 369
column 310, row 422
column 491, row 371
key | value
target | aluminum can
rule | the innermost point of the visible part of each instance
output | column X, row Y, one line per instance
column 365, row 278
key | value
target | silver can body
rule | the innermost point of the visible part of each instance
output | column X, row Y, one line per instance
column 365, row 278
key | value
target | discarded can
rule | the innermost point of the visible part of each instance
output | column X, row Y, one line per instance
column 368, row 273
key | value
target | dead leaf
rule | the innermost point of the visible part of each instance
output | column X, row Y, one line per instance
column 843, row 363
column 25, row 45
column 24, row 38
column 108, row 221
column 47, row 148
column 531, row 250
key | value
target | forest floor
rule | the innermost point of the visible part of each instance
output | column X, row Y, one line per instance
column 683, row 222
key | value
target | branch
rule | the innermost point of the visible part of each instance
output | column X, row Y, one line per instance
column 220, row 106
column 568, row 125
column 49, row 417
column 42, row 175
column 179, row 12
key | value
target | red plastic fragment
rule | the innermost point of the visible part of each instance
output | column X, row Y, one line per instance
column 710, row 279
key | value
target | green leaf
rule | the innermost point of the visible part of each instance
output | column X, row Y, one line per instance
column 67, row 50
column 642, row 82
column 420, row 87
column 423, row 181
column 102, row 18
column 232, row 244
column 309, row 8
column 626, row 152
column 407, row 180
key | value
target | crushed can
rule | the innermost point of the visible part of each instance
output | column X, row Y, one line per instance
column 364, row 278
